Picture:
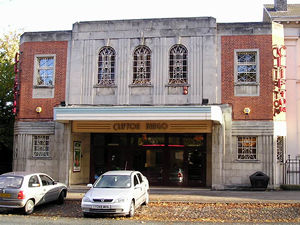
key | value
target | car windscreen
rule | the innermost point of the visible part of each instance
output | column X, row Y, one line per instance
column 10, row 181
column 113, row 181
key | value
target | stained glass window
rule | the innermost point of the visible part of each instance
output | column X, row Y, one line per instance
column 178, row 65
column 106, row 66
column 141, row 65
column 247, row 147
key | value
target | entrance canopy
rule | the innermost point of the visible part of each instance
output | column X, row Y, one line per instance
column 134, row 113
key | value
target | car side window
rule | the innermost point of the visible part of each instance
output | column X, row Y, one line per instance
column 136, row 181
column 46, row 180
column 33, row 181
column 140, row 177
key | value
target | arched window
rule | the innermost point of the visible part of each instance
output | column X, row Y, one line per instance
column 141, row 65
column 178, row 65
column 106, row 66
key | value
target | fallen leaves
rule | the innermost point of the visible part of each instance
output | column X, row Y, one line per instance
column 190, row 211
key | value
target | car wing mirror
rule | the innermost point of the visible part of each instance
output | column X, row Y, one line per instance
column 89, row 185
column 35, row 185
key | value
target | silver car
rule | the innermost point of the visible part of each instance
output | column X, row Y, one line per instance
column 26, row 190
column 116, row 192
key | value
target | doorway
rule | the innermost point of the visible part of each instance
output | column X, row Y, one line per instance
column 165, row 159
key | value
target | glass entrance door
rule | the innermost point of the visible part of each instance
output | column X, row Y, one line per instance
column 149, row 157
column 196, row 166
column 165, row 159
column 176, row 166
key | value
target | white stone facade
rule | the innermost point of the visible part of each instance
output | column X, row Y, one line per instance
column 201, row 38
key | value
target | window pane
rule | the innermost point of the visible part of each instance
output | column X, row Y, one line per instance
column 106, row 66
column 41, row 146
column 141, row 66
column 45, row 71
column 280, row 148
column 178, row 65
column 246, row 148
column 246, row 67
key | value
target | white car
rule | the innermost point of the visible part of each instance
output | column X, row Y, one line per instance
column 118, row 192
column 26, row 190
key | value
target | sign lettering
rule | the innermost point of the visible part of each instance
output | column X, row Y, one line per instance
column 279, row 102
column 139, row 126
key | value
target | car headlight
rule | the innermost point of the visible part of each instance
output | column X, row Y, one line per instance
column 86, row 199
column 120, row 200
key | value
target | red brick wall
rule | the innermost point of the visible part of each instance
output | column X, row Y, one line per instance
column 27, row 104
column 261, row 106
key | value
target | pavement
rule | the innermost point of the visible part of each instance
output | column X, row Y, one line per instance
column 202, row 195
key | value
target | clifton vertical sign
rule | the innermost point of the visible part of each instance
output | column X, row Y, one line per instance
column 279, row 102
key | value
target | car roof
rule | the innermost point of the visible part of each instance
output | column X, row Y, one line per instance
column 19, row 173
column 119, row 172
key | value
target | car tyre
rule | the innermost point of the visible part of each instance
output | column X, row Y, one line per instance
column 87, row 215
column 61, row 198
column 131, row 209
column 29, row 207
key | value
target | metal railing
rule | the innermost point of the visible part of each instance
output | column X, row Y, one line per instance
column 291, row 173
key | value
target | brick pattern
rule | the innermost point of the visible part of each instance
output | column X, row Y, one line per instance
column 261, row 106
column 27, row 104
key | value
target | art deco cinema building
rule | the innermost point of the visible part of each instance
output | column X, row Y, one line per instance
column 186, row 101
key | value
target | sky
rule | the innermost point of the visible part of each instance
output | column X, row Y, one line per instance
column 50, row 15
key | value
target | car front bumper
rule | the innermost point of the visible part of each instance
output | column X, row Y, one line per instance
column 111, row 208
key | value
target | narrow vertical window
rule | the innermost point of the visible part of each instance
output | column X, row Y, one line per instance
column 142, row 66
column 280, row 148
column 106, row 66
column 178, row 65
column 247, row 147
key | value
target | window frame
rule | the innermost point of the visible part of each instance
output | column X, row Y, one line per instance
column 112, row 64
column 172, row 80
column 238, row 154
column 35, row 183
column 44, row 178
column 280, row 148
column 34, row 151
column 137, row 80
column 236, row 64
column 37, row 68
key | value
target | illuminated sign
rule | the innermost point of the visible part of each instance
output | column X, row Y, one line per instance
column 279, row 93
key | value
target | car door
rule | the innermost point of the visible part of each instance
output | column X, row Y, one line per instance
column 138, row 190
column 49, row 187
column 143, row 185
column 35, row 189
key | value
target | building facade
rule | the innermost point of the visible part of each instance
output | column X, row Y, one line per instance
column 289, row 16
column 186, row 101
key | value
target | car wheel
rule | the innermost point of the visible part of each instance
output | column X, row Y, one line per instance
column 29, row 207
column 86, row 215
column 61, row 198
column 131, row 209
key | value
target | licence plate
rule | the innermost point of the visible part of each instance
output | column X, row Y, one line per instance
column 101, row 206
column 5, row 195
